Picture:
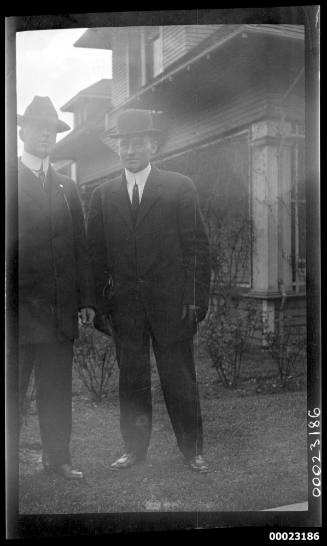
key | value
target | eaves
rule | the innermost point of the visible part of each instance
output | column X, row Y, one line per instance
column 284, row 32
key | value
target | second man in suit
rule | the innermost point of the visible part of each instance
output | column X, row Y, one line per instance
column 150, row 255
column 54, row 282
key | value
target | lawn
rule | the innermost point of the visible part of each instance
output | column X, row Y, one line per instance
column 255, row 444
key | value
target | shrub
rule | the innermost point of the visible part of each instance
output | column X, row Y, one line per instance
column 229, row 331
column 287, row 346
column 232, row 321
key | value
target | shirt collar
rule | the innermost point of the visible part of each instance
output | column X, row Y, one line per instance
column 34, row 163
column 140, row 177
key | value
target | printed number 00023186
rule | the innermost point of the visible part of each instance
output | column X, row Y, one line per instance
column 314, row 433
column 297, row 535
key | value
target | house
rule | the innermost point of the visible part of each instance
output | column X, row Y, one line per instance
column 82, row 152
column 232, row 108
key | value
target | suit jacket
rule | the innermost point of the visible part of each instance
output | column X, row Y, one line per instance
column 54, row 271
column 154, row 267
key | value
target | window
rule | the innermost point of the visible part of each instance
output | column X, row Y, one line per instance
column 80, row 117
column 154, row 57
column 298, row 216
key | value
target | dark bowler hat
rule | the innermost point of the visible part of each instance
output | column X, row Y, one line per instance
column 42, row 109
column 134, row 121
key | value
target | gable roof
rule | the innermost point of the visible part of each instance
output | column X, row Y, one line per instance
column 95, row 38
column 100, row 90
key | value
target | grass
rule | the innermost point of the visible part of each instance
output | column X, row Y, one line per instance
column 255, row 445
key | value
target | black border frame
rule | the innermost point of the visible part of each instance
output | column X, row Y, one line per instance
column 25, row 526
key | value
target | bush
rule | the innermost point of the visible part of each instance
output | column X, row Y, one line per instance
column 229, row 331
column 287, row 346
column 94, row 360
column 232, row 321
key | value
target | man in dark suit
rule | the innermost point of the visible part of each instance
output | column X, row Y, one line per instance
column 150, row 254
column 54, row 277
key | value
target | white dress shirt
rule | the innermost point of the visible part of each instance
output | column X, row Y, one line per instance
column 139, row 178
column 34, row 163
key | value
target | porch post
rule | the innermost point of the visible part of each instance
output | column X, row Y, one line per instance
column 271, row 212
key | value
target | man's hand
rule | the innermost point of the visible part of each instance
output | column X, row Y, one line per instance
column 87, row 315
column 193, row 313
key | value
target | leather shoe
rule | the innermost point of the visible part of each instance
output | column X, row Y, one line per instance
column 64, row 470
column 126, row 461
column 198, row 464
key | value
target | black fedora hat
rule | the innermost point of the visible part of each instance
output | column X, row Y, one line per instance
column 135, row 121
column 42, row 109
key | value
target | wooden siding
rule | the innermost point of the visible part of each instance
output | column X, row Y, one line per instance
column 295, row 317
column 173, row 43
column 177, row 40
column 294, row 313
column 203, row 119
column 120, row 66
column 211, row 120
column 188, row 127
column 180, row 39
column 196, row 33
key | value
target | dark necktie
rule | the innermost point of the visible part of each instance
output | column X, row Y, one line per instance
column 42, row 175
column 135, row 201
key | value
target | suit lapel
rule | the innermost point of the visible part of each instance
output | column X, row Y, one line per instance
column 54, row 186
column 28, row 183
column 60, row 202
column 151, row 193
column 121, row 200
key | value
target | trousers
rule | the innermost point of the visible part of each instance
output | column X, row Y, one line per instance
column 177, row 375
column 52, row 363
